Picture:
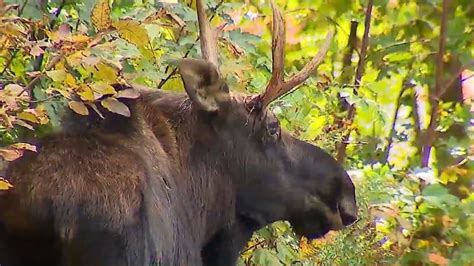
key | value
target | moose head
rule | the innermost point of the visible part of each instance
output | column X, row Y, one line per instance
column 276, row 176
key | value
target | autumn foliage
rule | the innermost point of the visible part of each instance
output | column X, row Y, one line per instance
column 413, row 92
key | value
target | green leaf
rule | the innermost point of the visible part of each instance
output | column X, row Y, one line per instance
column 265, row 257
column 437, row 196
column 286, row 253
column 57, row 75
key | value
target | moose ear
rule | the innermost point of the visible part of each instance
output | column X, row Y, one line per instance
column 203, row 84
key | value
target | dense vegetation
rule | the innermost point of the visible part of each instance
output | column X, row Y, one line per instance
column 392, row 101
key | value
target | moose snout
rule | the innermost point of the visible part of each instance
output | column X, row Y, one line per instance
column 345, row 215
column 348, row 213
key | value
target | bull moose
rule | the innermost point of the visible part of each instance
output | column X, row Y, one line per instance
column 185, row 180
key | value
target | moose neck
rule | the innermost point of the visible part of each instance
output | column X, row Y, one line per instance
column 207, row 194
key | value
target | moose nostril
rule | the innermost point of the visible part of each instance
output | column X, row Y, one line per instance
column 348, row 219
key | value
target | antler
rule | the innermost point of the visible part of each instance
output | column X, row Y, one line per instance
column 207, row 35
column 277, row 85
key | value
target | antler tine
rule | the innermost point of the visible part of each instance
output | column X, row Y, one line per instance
column 304, row 73
column 278, row 46
column 277, row 85
column 278, row 56
column 208, row 35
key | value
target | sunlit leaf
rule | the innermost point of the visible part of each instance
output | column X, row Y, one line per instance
column 10, row 154
column 101, row 15
column 28, row 116
column 102, row 88
column 23, row 146
column 86, row 94
column 132, row 32
column 78, row 107
column 4, row 184
column 128, row 93
column 263, row 256
column 116, row 106
column 105, row 72
column 56, row 75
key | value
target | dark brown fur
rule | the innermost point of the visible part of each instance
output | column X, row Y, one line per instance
column 175, row 184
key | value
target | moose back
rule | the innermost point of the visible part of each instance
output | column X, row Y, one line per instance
column 185, row 180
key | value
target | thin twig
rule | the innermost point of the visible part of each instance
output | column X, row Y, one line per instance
column 173, row 72
column 416, row 118
column 10, row 60
column 20, row 11
column 429, row 136
column 341, row 152
column 29, row 87
column 253, row 246
column 394, row 122
column 39, row 59
column 381, row 49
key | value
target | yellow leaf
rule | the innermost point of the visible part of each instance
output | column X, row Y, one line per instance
column 128, row 93
column 28, row 117
column 10, row 154
column 78, row 107
column 56, row 75
column 4, row 184
column 70, row 80
column 86, row 94
column 75, row 59
column 132, row 32
column 100, row 15
column 105, row 72
column 80, row 38
column 115, row 106
column 102, row 88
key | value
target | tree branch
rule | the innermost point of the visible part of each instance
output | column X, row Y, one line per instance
column 347, row 69
column 341, row 152
column 10, row 60
column 394, row 122
column 431, row 131
column 29, row 87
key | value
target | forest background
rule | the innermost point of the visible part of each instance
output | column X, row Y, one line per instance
column 393, row 101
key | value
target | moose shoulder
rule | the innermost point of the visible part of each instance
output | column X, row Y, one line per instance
column 185, row 180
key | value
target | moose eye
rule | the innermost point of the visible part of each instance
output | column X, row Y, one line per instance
column 273, row 129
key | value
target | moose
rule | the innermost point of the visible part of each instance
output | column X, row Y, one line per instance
column 185, row 180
